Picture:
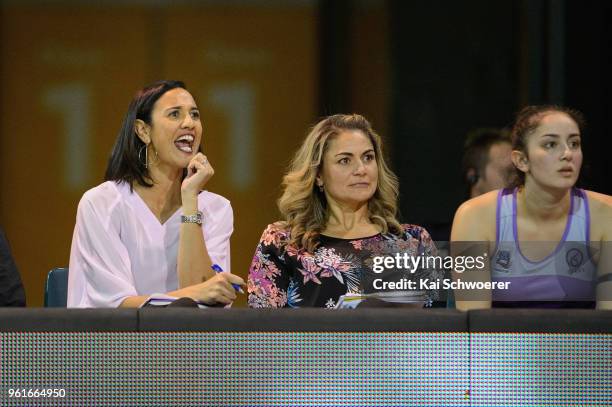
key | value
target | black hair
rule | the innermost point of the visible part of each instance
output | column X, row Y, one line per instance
column 124, row 164
column 478, row 143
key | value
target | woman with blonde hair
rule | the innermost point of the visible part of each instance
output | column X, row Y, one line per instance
column 339, row 208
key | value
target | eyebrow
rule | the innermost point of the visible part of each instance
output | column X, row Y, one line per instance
column 350, row 154
column 557, row 136
column 179, row 107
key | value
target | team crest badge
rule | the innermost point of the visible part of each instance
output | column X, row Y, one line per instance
column 503, row 259
column 574, row 259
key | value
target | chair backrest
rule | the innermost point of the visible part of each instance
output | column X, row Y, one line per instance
column 56, row 289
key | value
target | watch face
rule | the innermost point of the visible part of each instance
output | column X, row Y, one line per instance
column 197, row 218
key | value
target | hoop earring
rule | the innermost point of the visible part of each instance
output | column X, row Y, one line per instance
column 156, row 158
column 146, row 160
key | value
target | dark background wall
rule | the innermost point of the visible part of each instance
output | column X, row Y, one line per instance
column 458, row 65
column 454, row 68
column 588, row 84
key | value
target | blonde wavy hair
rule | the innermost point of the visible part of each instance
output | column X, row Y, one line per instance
column 304, row 207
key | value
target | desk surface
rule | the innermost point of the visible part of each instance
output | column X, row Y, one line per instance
column 303, row 320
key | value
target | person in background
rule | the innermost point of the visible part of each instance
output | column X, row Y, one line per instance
column 486, row 164
column 549, row 240
column 150, row 228
column 11, row 288
column 339, row 208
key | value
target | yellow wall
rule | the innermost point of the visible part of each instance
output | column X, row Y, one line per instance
column 68, row 74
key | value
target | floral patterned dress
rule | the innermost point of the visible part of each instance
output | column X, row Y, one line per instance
column 283, row 276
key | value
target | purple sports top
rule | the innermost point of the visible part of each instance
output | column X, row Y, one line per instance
column 565, row 274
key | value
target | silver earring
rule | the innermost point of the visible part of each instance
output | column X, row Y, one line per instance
column 146, row 160
column 156, row 156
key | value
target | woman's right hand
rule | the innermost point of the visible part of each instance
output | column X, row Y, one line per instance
column 199, row 171
column 217, row 289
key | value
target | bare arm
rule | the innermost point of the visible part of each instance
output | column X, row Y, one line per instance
column 193, row 261
column 469, row 237
column 604, row 276
column 601, row 232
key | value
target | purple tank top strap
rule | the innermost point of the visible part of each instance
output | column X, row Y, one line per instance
column 581, row 194
column 498, row 211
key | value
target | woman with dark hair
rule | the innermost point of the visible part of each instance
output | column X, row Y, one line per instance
column 549, row 240
column 150, row 228
column 339, row 208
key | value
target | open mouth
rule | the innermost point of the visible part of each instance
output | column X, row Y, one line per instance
column 185, row 143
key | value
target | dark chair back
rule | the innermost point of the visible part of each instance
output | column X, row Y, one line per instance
column 56, row 289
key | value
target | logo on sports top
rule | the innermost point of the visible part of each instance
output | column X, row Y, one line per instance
column 574, row 259
column 503, row 259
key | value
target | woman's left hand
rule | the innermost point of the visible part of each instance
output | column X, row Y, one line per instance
column 199, row 171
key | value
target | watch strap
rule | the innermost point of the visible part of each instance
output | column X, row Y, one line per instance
column 195, row 218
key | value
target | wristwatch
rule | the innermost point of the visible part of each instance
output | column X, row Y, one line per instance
column 197, row 218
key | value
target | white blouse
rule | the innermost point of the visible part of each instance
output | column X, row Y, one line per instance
column 120, row 249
